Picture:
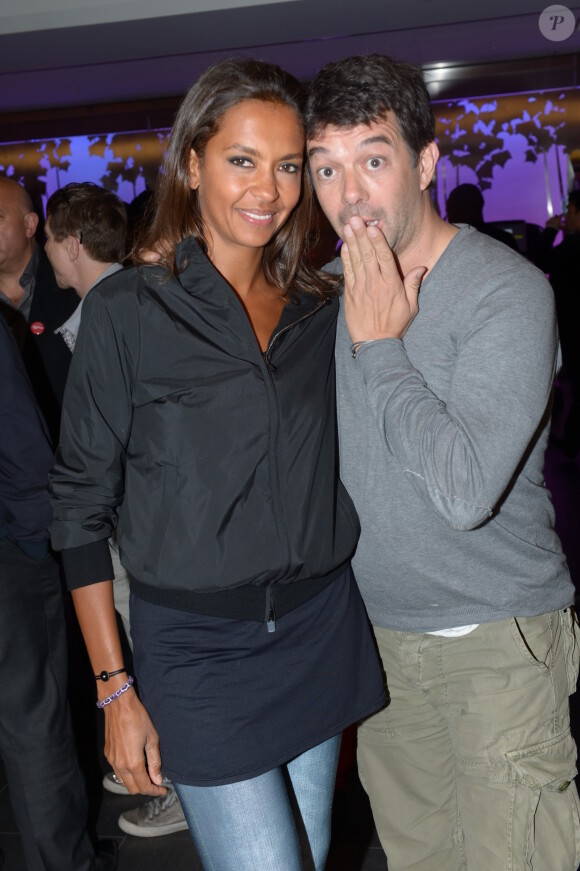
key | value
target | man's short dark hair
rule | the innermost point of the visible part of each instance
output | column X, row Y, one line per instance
column 574, row 198
column 95, row 216
column 465, row 205
column 362, row 89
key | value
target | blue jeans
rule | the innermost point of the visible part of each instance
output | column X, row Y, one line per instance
column 249, row 825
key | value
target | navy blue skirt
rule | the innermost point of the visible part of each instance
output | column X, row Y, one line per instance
column 231, row 700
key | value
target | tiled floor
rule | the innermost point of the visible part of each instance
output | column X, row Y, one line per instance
column 355, row 846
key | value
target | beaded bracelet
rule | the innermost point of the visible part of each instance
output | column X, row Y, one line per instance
column 126, row 686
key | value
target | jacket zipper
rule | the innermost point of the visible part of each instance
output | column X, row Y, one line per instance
column 270, row 612
column 270, row 616
column 267, row 353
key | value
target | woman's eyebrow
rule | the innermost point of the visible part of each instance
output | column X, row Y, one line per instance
column 253, row 152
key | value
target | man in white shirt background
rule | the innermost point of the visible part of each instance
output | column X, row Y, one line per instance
column 85, row 230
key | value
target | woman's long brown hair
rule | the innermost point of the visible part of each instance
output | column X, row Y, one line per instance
column 174, row 211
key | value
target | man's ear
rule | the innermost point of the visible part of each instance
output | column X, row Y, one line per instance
column 73, row 248
column 193, row 170
column 427, row 163
column 30, row 224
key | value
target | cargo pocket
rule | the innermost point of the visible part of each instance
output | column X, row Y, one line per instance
column 545, row 814
column 571, row 646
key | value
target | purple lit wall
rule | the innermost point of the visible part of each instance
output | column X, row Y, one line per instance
column 125, row 163
column 521, row 149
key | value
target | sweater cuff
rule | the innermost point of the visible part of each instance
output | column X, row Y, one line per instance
column 87, row 564
column 385, row 359
column 383, row 346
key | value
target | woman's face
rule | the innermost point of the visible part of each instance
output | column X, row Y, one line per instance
column 249, row 178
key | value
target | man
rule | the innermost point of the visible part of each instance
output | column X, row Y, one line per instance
column 86, row 228
column 36, row 739
column 443, row 419
column 465, row 206
column 31, row 301
column 562, row 262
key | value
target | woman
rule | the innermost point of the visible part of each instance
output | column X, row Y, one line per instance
column 199, row 420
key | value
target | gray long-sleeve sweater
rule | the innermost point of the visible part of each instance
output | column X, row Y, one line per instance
column 442, row 439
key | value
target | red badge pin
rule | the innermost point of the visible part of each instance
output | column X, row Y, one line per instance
column 37, row 328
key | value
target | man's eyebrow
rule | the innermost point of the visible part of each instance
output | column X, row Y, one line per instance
column 379, row 139
column 317, row 149
column 376, row 140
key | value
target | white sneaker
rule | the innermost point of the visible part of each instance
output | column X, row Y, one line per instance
column 160, row 815
column 111, row 784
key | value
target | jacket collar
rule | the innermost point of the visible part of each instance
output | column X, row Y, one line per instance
column 199, row 277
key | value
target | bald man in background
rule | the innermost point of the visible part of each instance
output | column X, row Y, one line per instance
column 37, row 744
column 32, row 302
column 36, row 738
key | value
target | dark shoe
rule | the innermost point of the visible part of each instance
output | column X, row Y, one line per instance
column 107, row 855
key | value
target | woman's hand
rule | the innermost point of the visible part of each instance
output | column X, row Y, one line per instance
column 132, row 745
column 131, row 742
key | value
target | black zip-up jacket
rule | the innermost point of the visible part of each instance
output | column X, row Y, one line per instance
column 217, row 462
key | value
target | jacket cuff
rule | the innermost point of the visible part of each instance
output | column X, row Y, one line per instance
column 87, row 564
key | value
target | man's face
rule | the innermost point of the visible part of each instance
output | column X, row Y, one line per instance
column 58, row 254
column 368, row 171
column 17, row 228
